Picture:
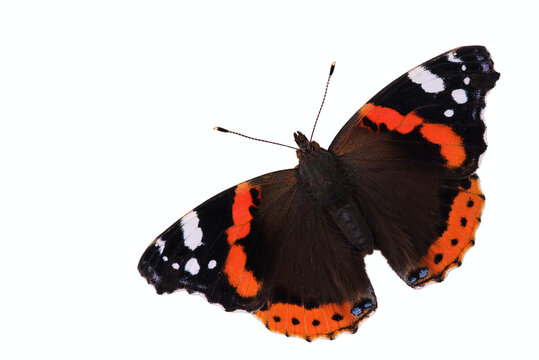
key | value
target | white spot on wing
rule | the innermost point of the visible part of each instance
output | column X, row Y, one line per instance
column 429, row 82
column 463, row 67
column 453, row 58
column 192, row 233
column 212, row 264
column 175, row 266
column 161, row 245
column 459, row 95
column 466, row 80
column 165, row 258
column 192, row 266
column 449, row 112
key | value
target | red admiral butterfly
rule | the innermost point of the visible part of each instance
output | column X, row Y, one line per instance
column 399, row 177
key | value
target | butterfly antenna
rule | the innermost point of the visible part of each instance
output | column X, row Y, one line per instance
column 252, row 138
column 323, row 99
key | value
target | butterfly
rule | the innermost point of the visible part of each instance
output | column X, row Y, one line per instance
column 399, row 177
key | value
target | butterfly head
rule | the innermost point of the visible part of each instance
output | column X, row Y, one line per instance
column 306, row 147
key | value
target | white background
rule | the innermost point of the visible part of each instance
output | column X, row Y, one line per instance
column 107, row 110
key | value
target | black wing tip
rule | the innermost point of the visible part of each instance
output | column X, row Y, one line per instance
column 153, row 278
column 151, row 267
column 469, row 49
column 481, row 53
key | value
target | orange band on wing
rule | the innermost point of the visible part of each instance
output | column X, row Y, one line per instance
column 391, row 118
column 243, row 280
column 241, row 216
column 447, row 251
column 323, row 321
column 451, row 146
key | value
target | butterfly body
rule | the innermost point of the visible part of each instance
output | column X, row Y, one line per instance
column 399, row 177
column 325, row 182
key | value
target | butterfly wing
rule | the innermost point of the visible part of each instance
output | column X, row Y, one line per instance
column 410, row 155
column 265, row 247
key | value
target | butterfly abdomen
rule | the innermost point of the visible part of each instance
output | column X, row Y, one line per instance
column 353, row 225
column 318, row 169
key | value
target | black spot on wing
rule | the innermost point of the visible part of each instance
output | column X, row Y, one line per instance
column 371, row 125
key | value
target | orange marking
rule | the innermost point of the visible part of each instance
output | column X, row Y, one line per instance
column 240, row 213
column 312, row 323
column 391, row 118
column 459, row 235
column 451, row 144
column 235, row 263
column 242, row 202
column 409, row 123
column 236, row 232
column 241, row 279
column 451, row 147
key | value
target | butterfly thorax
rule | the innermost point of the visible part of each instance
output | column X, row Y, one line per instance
column 319, row 170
